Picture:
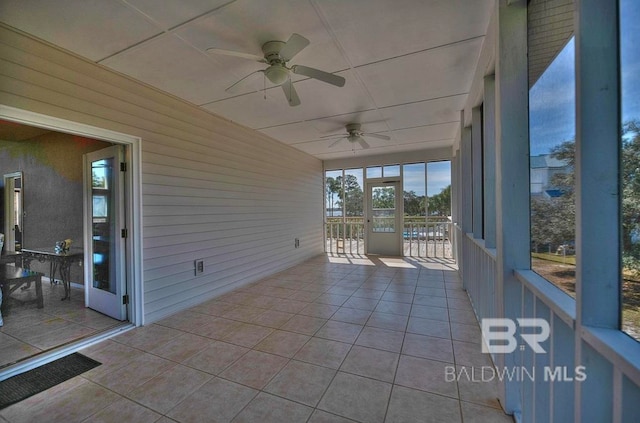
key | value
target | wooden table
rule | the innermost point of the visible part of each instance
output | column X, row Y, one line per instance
column 12, row 278
column 59, row 262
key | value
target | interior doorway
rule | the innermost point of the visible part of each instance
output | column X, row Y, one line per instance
column 13, row 212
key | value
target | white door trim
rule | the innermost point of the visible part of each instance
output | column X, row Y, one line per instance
column 133, row 188
column 397, row 183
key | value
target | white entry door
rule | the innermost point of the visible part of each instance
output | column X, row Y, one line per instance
column 105, row 275
column 384, row 218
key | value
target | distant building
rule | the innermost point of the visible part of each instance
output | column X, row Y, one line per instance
column 543, row 167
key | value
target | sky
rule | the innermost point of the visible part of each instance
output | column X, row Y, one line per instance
column 552, row 98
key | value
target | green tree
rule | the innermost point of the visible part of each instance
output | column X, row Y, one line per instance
column 440, row 204
column 631, row 195
column 383, row 198
column 413, row 204
column 351, row 195
column 332, row 188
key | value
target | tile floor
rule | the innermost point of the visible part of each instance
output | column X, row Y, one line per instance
column 335, row 339
column 29, row 330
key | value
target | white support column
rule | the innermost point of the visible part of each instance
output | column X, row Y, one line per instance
column 598, row 243
column 476, row 169
column 512, row 174
column 466, row 212
column 489, row 147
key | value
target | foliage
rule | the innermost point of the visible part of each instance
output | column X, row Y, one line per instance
column 440, row 204
column 631, row 195
column 413, row 204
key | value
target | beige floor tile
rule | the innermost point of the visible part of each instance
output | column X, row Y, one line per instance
column 429, row 327
column 147, row 338
column 397, row 297
column 214, row 308
column 255, row 369
column 324, row 311
column 301, row 382
column 320, row 416
column 267, row 408
column 339, row 331
column 217, row 401
column 466, row 333
column 357, row 398
column 323, row 352
column 430, row 347
column 166, row 390
column 273, row 318
column 382, row 339
column 470, row 354
column 462, row 316
column 289, row 306
column 217, row 328
column 432, row 292
column 332, row 299
column 139, row 371
column 426, row 375
column 243, row 313
column 75, row 405
column 473, row 413
column 306, row 325
column 478, row 385
column 411, row 406
column 368, row 304
column 369, row 362
column 182, row 347
column 217, row 357
column 124, row 410
column 430, row 312
column 283, row 343
column 394, row 308
column 247, row 335
column 351, row 315
column 388, row 321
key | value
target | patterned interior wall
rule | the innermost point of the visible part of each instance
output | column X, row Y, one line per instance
column 51, row 164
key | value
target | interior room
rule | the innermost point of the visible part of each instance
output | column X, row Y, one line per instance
column 42, row 192
column 322, row 211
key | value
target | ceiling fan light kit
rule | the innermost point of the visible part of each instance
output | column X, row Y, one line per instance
column 276, row 55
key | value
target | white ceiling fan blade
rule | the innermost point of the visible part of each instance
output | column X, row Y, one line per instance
column 336, row 142
column 334, row 136
column 290, row 93
column 293, row 46
column 362, row 143
column 237, row 54
column 323, row 76
column 230, row 89
column 381, row 137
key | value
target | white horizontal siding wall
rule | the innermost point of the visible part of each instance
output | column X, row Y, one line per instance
column 212, row 189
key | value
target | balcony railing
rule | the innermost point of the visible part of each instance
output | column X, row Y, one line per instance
column 421, row 238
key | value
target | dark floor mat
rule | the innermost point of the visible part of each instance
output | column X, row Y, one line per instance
column 26, row 384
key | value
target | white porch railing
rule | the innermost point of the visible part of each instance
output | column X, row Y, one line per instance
column 428, row 239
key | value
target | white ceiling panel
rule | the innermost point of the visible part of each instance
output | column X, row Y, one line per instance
column 94, row 29
column 441, row 110
column 316, row 129
column 436, row 73
column 169, row 64
column 408, row 64
column 175, row 12
column 318, row 100
column 399, row 27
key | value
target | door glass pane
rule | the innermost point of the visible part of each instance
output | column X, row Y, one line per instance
column 383, row 208
column 103, row 224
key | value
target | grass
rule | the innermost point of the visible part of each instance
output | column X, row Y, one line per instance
column 563, row 275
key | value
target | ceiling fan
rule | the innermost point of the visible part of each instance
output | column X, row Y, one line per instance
column 276, row 55
column 354, row 134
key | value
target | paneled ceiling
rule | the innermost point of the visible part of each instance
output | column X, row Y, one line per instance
column 408, row 64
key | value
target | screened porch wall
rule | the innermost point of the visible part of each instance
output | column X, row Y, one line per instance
column 211, row 189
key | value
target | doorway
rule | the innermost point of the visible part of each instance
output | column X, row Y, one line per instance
column 384, row 217
column 13, row 212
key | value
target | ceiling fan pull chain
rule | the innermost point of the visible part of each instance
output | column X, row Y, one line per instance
column 264, row 83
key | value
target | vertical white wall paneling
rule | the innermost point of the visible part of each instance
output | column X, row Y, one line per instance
column 211, row 189
column 597, row 194
column 512, row 171
column 489, row 160
column 477, row 181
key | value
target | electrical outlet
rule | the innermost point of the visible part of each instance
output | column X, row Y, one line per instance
column 199, row 267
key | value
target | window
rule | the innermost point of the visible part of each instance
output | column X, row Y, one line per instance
column 439, row 189
column 374, row 172
column 551, row 148
column 630, row 163
column 414, row 192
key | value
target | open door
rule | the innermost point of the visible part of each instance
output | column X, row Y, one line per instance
column 105, row 232
column 13, row 227
column 384, row 218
